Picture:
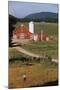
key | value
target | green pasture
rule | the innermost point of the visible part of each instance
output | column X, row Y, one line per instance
column 48, row 28
column 43, row 48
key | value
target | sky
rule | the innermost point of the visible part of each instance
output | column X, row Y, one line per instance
column 22, row 9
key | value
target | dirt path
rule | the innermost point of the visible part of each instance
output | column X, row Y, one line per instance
column 32, row 54
column 27, row 52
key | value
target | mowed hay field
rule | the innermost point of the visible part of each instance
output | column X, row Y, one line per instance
column 38, row 73
column 48, row 28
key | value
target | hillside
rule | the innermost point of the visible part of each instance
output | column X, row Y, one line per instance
column 43, row 16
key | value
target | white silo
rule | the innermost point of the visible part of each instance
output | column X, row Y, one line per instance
column 31, row 27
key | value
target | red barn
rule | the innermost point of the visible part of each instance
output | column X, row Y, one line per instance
column 22, row 32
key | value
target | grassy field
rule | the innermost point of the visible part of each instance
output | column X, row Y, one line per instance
column 48, row 28
column 39, row 72
column 13, row 53
column 43, row 48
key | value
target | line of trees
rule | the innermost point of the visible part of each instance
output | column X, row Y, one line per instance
column 51, row 20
